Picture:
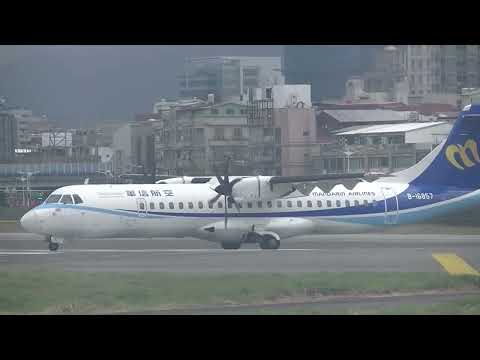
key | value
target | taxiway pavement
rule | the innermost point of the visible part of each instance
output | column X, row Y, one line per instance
column 319, row 253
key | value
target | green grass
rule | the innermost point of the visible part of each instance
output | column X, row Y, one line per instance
column 467, row 306
column 49, row 291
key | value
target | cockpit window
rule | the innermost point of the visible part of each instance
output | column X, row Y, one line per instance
column 53, row 199
column 66, row 199
column 78, row 199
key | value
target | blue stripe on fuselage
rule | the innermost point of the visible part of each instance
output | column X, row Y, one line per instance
column 344, row 214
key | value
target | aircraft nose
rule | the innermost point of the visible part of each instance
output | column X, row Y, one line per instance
column 29, row 221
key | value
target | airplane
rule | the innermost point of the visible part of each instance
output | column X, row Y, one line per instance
column 268, row 209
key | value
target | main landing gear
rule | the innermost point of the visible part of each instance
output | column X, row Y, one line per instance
column 266, row 242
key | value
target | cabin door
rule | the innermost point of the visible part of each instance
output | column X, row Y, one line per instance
column 141, row 207
column 391, row 205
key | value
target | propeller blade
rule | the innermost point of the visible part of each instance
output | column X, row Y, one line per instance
column 232, row 200
column 226, row 216
column 235, row 181
column 227, row 168
column 214, row 199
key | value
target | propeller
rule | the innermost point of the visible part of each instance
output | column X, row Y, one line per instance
column 225, row 188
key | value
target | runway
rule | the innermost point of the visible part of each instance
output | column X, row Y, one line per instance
column 319, row 253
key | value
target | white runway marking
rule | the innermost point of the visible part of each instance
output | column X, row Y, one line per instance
column 220, row 251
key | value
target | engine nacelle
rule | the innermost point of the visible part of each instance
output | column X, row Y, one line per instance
column 259, row 188
column 216, row 232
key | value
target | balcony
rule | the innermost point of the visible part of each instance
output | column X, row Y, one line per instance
column 224, row 141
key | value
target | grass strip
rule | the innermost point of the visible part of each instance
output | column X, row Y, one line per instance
column 44, row 290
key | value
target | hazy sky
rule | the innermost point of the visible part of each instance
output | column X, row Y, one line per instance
column 79, row 85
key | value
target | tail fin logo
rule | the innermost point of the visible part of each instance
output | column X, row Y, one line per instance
column 452, row 150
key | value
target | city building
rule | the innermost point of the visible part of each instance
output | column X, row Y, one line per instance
column 8, row 136
column 331, row 120
column 326, row 67
column 379, row 148
column 282, row 128
column 29, row 126
column 133, row 149
column 194, row 140
column 228, row 77
column 435, row 73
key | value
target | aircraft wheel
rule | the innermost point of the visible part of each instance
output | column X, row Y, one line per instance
column 53, row 246
column 269, row 243
column 231, row 246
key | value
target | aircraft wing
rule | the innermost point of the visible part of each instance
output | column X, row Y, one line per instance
column 312, row 178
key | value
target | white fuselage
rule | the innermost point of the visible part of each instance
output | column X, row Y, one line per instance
column 174, row 210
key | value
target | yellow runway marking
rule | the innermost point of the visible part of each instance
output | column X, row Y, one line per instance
column 454, row 264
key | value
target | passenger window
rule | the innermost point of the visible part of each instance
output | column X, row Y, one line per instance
column 66, row 199
column 161, row 205
column 249, row 205
column 190, row 205
column 180, row 205
column 220, row 205
column 289, row 203
column 357, row 203
column 78, row 199
column 319, row 203
column 374, row 203
column 259, row 204
column 309, row 203
column 170, row 205
column 210, row 205
column 53, row 199
column 299, row 203
column 240, row 205
column 279, row 203
column 365, row 202
column 269, row 204
column 200, row 205
column 347, row 203
column 141, row 205
column 229, row 204
column 152, row 206
column 329, row 203
column 337, row 203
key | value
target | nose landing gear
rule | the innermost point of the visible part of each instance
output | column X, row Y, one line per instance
column 53, row 243
column 53, row 246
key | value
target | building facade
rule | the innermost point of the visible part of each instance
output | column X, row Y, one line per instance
column 282, row 128
column 379, row 148
column 196, row 140
column 8, row 137
column 228, row 78
column 133, row 149
column 436, row 73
